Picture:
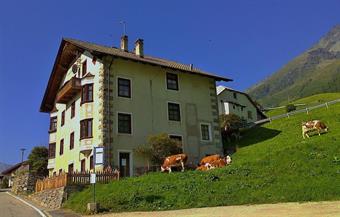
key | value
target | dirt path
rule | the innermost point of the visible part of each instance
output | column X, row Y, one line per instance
column 313, row 209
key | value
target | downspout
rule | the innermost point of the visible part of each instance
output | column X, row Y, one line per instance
column 108, row 115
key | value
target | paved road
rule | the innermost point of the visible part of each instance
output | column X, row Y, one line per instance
column 11, row 207
column 313, row 209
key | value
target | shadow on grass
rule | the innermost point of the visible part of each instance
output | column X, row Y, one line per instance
column 251, row 137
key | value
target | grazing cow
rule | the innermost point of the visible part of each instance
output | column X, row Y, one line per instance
column 174, row 160
column 312, row 126
column 209, row 159
column 204, row 167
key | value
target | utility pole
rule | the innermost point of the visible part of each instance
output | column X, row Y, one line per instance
column 22, row 154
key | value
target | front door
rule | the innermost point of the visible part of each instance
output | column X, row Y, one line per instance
column 124, row 164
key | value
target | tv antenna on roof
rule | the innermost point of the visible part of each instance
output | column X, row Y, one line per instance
column 124, row 26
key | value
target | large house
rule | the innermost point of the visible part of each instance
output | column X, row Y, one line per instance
column 100, row 96
column 232, row 101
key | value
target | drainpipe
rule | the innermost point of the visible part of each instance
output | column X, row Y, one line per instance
column 108, row 114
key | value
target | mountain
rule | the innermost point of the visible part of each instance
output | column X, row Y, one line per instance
column 317, row 70
column 4, row 166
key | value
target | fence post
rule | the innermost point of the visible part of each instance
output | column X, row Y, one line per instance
column 326, row 105
column 307, row 111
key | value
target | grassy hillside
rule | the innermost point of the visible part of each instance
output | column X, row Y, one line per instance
column 273, row 164
column 308, row 101
column 314, row 71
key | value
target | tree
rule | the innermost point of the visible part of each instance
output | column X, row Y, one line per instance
column 230, row 121
column 290, row 107
column 37, row 160
column 159, row 147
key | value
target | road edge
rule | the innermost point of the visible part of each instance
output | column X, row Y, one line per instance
column 41, row 213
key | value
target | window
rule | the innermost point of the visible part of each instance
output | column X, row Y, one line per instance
column 86, row 129
column 63, row 118
column 61, row 150
column 124, row 123
column 235, row 95
column 84, row 68
column 51, row 151
column 73, row 109
column 171, row 81
column 250, row 115
column 177, row 138
column 71, row 140
column 174, row 112
column 82, row 165
column 60, row 171
column 70, row 168
column 87, row 93
column 91, row 163
column 124, row 87
column 205, row 132
column 53, row 124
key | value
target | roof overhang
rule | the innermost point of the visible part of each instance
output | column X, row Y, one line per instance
column 68, row 52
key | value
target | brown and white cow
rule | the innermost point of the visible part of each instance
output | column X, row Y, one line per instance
column 209, row 159
column 313, row 125
column 173, row 161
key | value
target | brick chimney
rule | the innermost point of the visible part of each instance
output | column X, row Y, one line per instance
column 124, row 43
column 139, row 47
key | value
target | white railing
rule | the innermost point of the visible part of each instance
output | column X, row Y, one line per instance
column 327, row 104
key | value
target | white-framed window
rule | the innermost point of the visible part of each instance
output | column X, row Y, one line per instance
column 124, row 123
column 124, row 87
column 174, row 111
column 205, row 129
column 178, row 138
column 172, row 81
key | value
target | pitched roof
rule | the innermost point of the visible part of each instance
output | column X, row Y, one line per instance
column 14, row 167
column 220, row 89
column 66, row 52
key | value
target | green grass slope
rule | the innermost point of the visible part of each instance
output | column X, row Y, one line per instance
column 273, row 164
column 308, row 101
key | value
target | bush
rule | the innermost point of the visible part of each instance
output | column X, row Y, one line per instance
column 290, row 107
column 159, row 147
column 4, row 183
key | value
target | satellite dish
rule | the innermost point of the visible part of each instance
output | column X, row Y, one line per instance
column 74, row 68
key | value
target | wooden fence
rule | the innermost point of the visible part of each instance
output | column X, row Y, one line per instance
column 67, row 179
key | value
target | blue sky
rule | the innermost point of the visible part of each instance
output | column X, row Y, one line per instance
column 245, row 40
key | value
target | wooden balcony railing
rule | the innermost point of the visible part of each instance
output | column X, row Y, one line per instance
column 69, row 90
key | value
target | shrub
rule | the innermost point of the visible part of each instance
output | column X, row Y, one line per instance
column 4, row 183
column 159, row 147
column 290, row 107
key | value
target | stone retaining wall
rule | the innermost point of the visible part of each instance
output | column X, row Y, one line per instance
column 50, row 198
column 23, row 183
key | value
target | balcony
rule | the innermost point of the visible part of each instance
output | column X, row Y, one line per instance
column 69, row 90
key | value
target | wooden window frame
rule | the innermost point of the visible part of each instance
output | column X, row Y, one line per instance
column 84, row 129
column 85, row 93
column 83, row 165
column 51, row 151
column 62, row 118
column 174, row 81
column 53, row 125
column 61, row 147
column 84, row 68
column 73, row 109
column 71, row 140
column 119, row 85
column 171, row 111
column 119, row 129
column 91, row 163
